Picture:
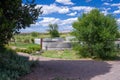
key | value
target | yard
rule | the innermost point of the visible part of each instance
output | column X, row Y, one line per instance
column 82, row 69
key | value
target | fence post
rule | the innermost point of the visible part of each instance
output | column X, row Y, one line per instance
column 41, row 43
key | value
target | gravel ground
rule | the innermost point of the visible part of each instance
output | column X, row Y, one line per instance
column 56, row 69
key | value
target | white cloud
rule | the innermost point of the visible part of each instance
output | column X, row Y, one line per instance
column 107, row 0
column 48, row 20
column 107, row 4
column 84, row 8
column 66, row 25
column 118, row 21
column 105, row 11
column 113, row 5
column 116, row 4
column 48, row 9
column 51, row 20
column 42, row 25
column 72, row 14
column 68, row 21
column 117, row 12
column 63, row 10
column 65, row 2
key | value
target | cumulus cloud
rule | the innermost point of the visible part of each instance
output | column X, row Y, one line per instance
column 42, row 25
column 51, row 20
column 115, row 4
column 64, row 10
column 48, row 9
column 72, row 14
column 65, row 2
column 84, row 8
column 52, row 8
column 107, row 4
column 117, row 12
column 34, row 28
column 105, row 11
column 68, row 21
column 107, row 0
column 48, row 20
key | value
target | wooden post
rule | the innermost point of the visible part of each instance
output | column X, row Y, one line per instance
column 41, row 43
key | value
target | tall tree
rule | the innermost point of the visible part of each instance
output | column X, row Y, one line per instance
column 53, row 30
column 97, row 33
column 15, row 15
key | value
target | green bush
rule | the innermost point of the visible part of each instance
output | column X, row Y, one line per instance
column 34, row 34
column 82, row 50
column 12, row 66
column 29, row 50
column 98, row 50
column 32, row 40
column 26, row 40
column 35, row 48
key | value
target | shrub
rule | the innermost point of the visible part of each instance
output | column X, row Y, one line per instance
column 32, row 40
column 82, row 50
column 34, row 34
column 24, row 50
column 26, row 40
column 29, row 50
column 12, row 66
column 34, row 48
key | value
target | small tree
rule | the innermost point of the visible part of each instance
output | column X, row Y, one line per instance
column 53, row 30
column 97, row 33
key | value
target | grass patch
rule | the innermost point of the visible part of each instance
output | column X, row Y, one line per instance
column 26, row 47
column 63, row 54
column 23, row 45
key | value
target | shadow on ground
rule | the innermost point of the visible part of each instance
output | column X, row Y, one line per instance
column 68, row 70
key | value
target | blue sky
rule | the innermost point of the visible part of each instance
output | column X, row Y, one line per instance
column 65, row 12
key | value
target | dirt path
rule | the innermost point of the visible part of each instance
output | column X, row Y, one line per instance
column 56, row 69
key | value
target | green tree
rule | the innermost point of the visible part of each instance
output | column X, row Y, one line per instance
column 97, row 33
column 14, row 15
column 118, row 35
column 53, row 30
column 34, row 34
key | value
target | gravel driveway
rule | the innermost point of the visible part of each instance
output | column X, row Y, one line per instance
column 56, row 69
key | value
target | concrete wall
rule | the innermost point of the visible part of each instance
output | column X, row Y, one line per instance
column 55, row 44
column 60, row 43
column 37, row 41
